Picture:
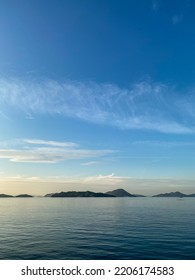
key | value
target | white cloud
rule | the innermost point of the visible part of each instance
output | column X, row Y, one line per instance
column 49, row 155
column 145, row 105
column 109, row 179
column 52, row 153
column 91, row 163
column 20, row 178
column 49, row 143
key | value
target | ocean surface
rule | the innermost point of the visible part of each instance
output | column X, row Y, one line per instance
column 97, row 228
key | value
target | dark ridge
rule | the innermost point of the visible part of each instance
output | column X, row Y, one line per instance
column 5, row 195
column 171, row 194
column 114, row 193
column 24, row 195
column 49, row 195
column 80, row 194
column 120, row 193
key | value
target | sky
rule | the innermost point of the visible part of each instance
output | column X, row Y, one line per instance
column 97, row 95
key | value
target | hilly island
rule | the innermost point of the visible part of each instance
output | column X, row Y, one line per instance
column 114, row 194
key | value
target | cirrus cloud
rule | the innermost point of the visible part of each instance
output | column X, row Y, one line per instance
column 42, row 151
column 143, row 106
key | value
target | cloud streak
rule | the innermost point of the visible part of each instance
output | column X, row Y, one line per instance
column 165, row 144
column 49, row 143
column 144, row 106
column 53, row 152
column 90, row 163
column 109, row 179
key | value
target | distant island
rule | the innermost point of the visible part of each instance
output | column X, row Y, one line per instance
column 5, row 195
column 114, row 193
column 23, row 195
column 174, row 194
column 20, row 195
column 80, row 194
column 120, row 193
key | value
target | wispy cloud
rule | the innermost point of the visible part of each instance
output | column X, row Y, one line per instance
column 4, row 116
column 89, row 163
column 21, row 178
column 166, row 144
column 177, row 19
column 51, row 153
column 49, row 143
column 109, row 179
column 145, row 105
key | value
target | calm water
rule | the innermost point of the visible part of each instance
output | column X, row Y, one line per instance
column 97, row 228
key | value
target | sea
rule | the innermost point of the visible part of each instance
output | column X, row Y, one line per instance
column 139, row 228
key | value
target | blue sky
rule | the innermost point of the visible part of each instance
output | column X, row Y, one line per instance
column 97, row 95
